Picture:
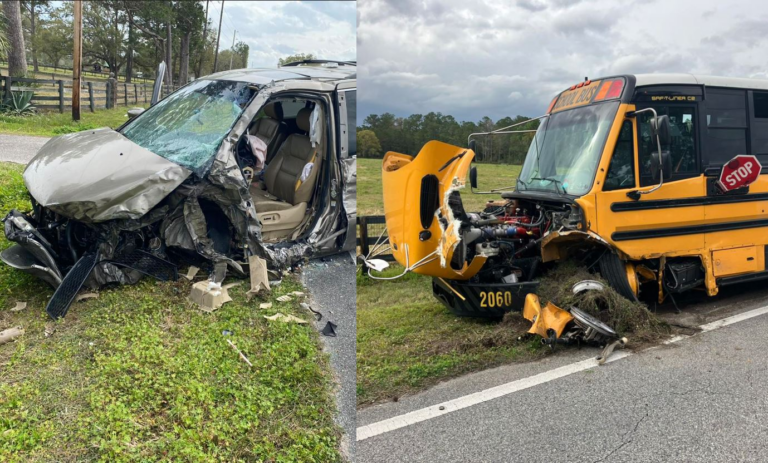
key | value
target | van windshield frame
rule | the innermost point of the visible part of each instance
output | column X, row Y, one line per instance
column 188, row 126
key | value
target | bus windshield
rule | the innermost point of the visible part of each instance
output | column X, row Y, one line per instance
column 566, row 149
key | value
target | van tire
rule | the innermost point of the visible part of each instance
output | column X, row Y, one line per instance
column 613, row 270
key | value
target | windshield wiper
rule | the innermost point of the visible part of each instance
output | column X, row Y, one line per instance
column 519, row 182
column 557, row 182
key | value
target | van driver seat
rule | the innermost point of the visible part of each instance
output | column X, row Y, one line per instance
column 282, row 206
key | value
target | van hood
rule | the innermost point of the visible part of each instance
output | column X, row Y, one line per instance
column 100, row 175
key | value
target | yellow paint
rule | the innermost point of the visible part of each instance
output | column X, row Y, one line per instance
column 735, row 261
column 596, row 205
column 401, row 179
column 549, row 317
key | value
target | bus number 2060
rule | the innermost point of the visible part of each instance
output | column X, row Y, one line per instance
column 495, row 299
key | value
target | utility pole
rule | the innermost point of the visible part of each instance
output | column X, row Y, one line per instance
column 77, row 56
column 232, row 55
column 218, row 37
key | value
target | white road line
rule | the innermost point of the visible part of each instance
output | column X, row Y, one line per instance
column 427, row 413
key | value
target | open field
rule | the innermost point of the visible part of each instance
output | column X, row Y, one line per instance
column 140, row 374
column 406, row 339
column 52, row 124
column 369, row 200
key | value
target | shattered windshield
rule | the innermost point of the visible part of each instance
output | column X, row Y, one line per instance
column 188, row 126
column 566, row 149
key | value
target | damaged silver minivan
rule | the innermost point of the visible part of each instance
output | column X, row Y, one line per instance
column 238, row 165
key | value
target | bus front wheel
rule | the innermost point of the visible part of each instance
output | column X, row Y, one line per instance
column 620, row 275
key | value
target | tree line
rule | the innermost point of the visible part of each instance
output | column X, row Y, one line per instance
column 122, row 37
column 387, row 132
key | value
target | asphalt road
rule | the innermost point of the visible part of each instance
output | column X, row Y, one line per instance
column 700, row 399
column 18, row 148
column 330, row 281
column 331, row 284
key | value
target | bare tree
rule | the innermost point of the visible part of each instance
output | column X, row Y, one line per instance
column 17, row 58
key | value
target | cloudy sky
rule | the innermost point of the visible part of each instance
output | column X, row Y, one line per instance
column 274, row 30
column 508, row 57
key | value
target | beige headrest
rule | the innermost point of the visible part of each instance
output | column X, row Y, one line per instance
column 302, row 119
column 274, row 111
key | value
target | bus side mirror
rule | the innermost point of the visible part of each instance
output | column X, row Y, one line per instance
column 661, row 163
column 473, row 145
column 660, row 128
column 473, row 176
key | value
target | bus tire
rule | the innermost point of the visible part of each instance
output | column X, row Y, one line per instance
column 614, row 271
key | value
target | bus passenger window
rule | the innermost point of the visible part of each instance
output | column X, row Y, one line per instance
column 621, row 173
column 682, row 149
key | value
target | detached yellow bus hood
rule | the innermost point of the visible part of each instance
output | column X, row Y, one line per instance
column 416, row 188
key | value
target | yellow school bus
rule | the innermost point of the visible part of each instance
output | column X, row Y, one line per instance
column 622, row 174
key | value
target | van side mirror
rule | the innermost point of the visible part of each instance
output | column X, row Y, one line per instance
column 661, row 163
column 473, row 176
column 660, row 128
column 135, row 112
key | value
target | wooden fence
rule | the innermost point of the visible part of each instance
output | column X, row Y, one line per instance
column 59, row 70
column 56, row 95
column 369, row 230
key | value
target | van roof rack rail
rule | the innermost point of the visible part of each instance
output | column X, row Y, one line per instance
column 320, row 61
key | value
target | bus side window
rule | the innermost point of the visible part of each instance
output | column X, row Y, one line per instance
column 621, row 172
column 682, row 149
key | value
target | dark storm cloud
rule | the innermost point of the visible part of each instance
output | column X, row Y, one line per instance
column 500, row 58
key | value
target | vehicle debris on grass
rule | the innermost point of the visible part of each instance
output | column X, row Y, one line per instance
column 281, row 317
column 209, row 295
column 240, row 353
column 19, row 306
column 625, row 317
column 11, row 334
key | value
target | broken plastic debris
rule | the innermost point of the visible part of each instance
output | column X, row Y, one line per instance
column 84, row 296
column 376, row 264
column 544, row 320
column 281, row 317
column 285, row 298
column 50, row 328
column 329, row 330
column 191, row 273
column 318, row 315
column 603, row 357
column 259, row 277
column 10, row 334
column 209, row 295
column 19, row 306
column 242, row 356
column 298, row 294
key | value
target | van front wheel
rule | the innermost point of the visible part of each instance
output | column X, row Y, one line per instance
column 614, row 270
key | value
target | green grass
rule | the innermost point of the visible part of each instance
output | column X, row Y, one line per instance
column 140, row 374
column 49, row 124
column 369, row 194
column 406, row 339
